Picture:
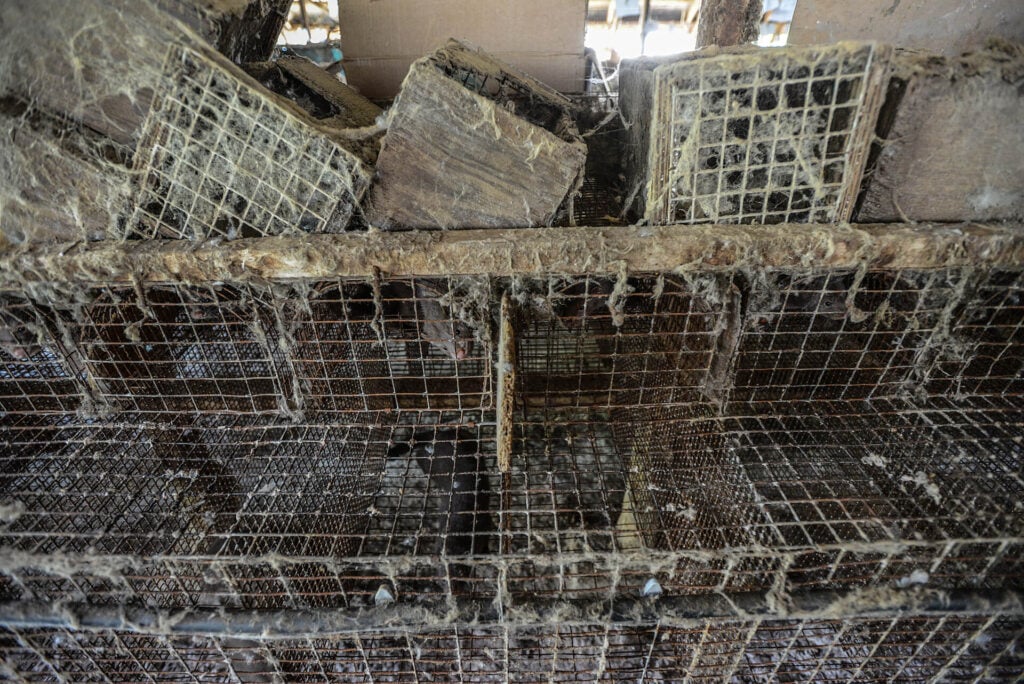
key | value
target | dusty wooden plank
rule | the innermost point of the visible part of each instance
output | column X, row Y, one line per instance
column 949, row 27
column 506, row 385
column 539, row 251
column 728, row 22
column 57, row 182
column 319, row 93
column 952, row 140
column 473, row 143
column 242, row 30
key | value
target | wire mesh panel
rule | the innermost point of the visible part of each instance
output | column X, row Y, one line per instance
column 36, row 376
column 219, row 159
column 986, row 350
column 232, row 490
column 713, row 437
column 976, row 647
column 845, row 335
column 758, row 136
column 342, row 346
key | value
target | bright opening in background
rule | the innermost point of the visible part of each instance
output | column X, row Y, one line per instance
column 613, row 27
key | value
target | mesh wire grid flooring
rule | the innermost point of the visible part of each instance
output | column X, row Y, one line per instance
column 799, row 431
column 730, row 504
column 910, row 648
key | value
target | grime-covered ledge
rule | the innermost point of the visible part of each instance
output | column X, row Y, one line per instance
column 520, row 252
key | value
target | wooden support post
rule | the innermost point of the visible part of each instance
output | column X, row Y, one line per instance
column 506, row 385
column 728, row 22
column 645, row 15
column 506, row 408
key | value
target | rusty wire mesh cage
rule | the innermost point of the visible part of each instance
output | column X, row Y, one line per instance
column 335, row 445
column 957, row 647
column 220, row 157
column 754, row 137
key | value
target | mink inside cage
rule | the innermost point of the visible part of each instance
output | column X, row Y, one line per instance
column 336, row 446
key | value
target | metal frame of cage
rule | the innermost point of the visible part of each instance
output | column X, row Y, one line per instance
column 710, row 382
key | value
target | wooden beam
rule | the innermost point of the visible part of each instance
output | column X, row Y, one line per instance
column 728, row 22
column 242, row 30
column 525, row 251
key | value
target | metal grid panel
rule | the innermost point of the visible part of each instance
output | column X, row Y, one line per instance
column 765, row 137
column 979, row 648
column 341, row 346
column 717, row 433
column 35, row 375
column 863, row 493
column 218, row 159
column 622, row 342
column 988, row 354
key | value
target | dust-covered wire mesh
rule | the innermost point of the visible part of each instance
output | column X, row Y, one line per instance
column 970, row 647
column 334, row 445
column 758, row 137
column 219, row 158
column 342, row 346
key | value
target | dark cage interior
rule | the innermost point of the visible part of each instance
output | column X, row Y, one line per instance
column 749, row 474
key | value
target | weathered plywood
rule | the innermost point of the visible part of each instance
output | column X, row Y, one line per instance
column 55, row 183
column 953, row 146
column 321, row 94
column 946, row 26
column 473, row 143
column 100, row 61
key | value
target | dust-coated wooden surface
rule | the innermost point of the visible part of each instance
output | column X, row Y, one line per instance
column 525, row 251
column 242, row 30
column 955, row 149
column 949, row 27
column 728, row 22
column 52, row 189
column 454, row 159
column 101, row 61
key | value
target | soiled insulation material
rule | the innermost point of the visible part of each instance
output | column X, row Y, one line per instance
column 473, row 143
column 952, row 137
column 202, row 150
column 751, row 136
